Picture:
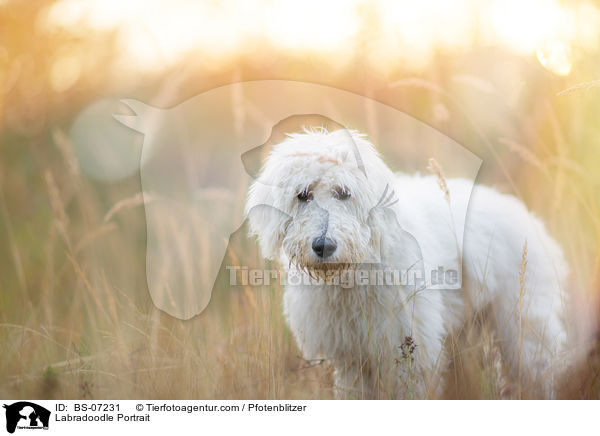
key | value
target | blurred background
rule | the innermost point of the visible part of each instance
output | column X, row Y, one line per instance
column 515, row 82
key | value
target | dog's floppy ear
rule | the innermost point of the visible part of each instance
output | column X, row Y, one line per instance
column 266, row 222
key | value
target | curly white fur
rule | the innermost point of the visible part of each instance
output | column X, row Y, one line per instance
column 387, row 340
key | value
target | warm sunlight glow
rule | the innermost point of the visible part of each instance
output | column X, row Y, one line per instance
column 526, row 25
column 411, row 31
column 312, row 24
column 156, row 34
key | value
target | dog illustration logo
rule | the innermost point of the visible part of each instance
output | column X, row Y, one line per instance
column 26, row 415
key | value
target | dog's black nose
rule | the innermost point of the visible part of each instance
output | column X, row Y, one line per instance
column 323, row 247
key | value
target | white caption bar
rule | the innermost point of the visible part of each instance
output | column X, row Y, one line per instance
column 158, row 417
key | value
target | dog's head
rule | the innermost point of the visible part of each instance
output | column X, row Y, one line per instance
column 313, row 202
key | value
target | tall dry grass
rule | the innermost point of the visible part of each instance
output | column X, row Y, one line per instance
column 77, row 321
column 86, row 327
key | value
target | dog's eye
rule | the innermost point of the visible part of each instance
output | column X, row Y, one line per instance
column 341, row 193
column 305, row 196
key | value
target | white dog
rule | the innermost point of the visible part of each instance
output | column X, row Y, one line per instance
column 327, row 207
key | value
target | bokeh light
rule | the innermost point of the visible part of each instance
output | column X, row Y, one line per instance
column 105, row 150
